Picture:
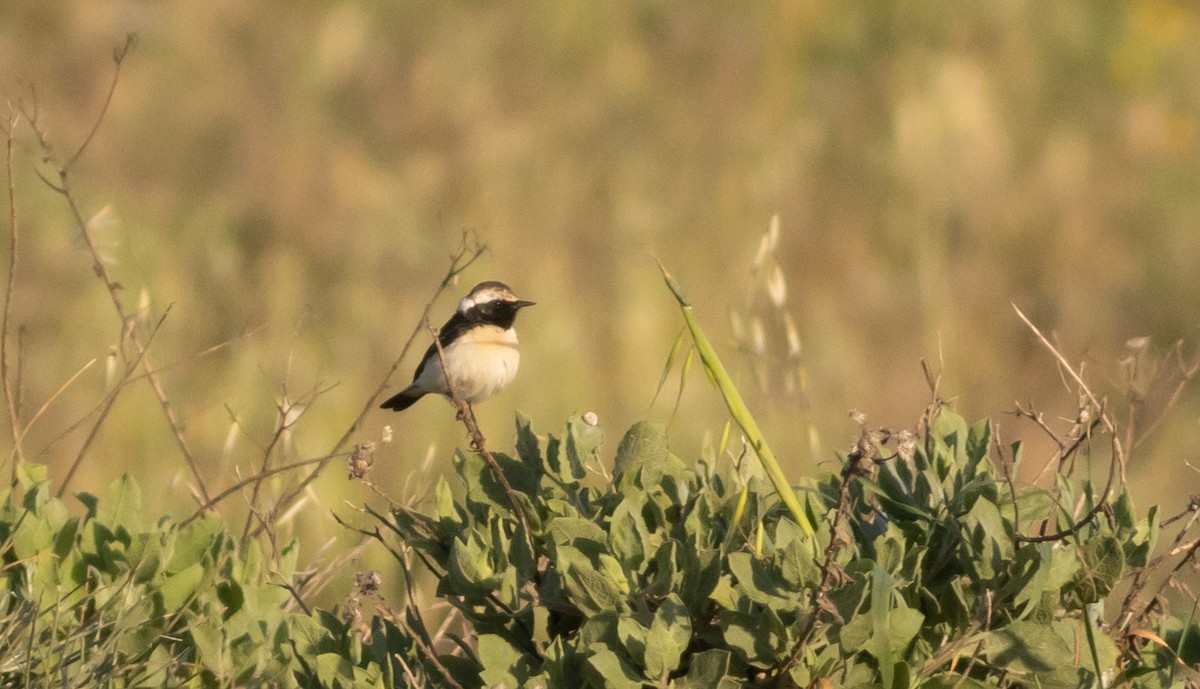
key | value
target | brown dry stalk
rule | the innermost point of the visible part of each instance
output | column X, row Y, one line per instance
column 467, row 253
column 478, row 443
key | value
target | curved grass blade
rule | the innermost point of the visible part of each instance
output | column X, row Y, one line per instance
column 737, row 407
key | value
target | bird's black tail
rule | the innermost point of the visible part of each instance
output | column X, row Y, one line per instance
column 402, row 400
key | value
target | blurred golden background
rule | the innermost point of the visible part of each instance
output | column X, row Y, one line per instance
column 302, row 171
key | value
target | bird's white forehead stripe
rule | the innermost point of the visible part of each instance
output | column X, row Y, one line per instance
column 483, row 296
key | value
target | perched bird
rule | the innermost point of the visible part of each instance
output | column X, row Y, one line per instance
column 479, row 345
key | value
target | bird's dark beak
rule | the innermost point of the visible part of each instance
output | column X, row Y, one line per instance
column 521, row 303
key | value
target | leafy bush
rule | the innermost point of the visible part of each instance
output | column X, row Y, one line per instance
column 659, row 574
column 666, row 575
column 101, row 600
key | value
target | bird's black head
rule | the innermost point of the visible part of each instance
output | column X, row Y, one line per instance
column 492, row 303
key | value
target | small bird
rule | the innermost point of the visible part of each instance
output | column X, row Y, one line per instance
column 479, row 345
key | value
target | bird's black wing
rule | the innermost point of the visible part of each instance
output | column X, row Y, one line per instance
column 457, row 325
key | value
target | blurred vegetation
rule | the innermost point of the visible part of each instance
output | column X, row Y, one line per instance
column 293, row 177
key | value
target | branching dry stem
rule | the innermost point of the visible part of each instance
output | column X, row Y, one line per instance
column 468, row 252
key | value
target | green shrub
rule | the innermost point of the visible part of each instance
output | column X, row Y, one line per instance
column 103, row 601
column 665, row 575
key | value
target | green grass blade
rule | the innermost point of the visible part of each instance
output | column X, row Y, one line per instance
column 737, row 407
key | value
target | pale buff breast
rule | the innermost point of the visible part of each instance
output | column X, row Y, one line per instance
column 482, row 362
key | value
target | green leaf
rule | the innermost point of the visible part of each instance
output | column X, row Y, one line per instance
column 628, row 535
column 668, row 637
column 708, row 669
column 762, row 583
column 502, row 664
column 572, row 530
column 195, row 542
column 1026, row 648
column 632, row 635
column 447, row 509
column 645, row 443
column 591, row 589
column 178, row 589
column 606, row 669
column 485, row 494
column 527, row 442
column 583, row 442
column 1102, row 563
column 758, row 639
column 881, row 639
column 990, row 542
column 121, row 506
column 903, row 626
column 470, row 573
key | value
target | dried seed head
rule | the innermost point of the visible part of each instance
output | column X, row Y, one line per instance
column 368, row 582
column 906, row 445
column 776, row 286
column 362, row 459
column 793, row 336
column 1138, row 344
column 758, row 337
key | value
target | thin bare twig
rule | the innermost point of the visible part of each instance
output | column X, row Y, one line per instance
column 460, row 261
column 1116, row 461
column 212, row 502
column 119, row 55
column 105, row 407
column 128, row 323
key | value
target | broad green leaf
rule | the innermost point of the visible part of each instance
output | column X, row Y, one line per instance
column 527, row 442
column 571, row 530
column 633, row 637
column 991, row 546
column 1029, row 649
column 196, row 543
column 881, row 639
column 590, row 589
column 607, row 669
column 757, row 639
column 762, row 583
column 903, row 626
column 645, row 443
column 177, row 589
column 121, row 506
column 1102, row 561
column 502, row 664
column 662, row 653
column 485, row 491
column 470, row 573
column 669, row 636
column 447, row 510
column 583, row 442
column 627, row 535
column 707, row 670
